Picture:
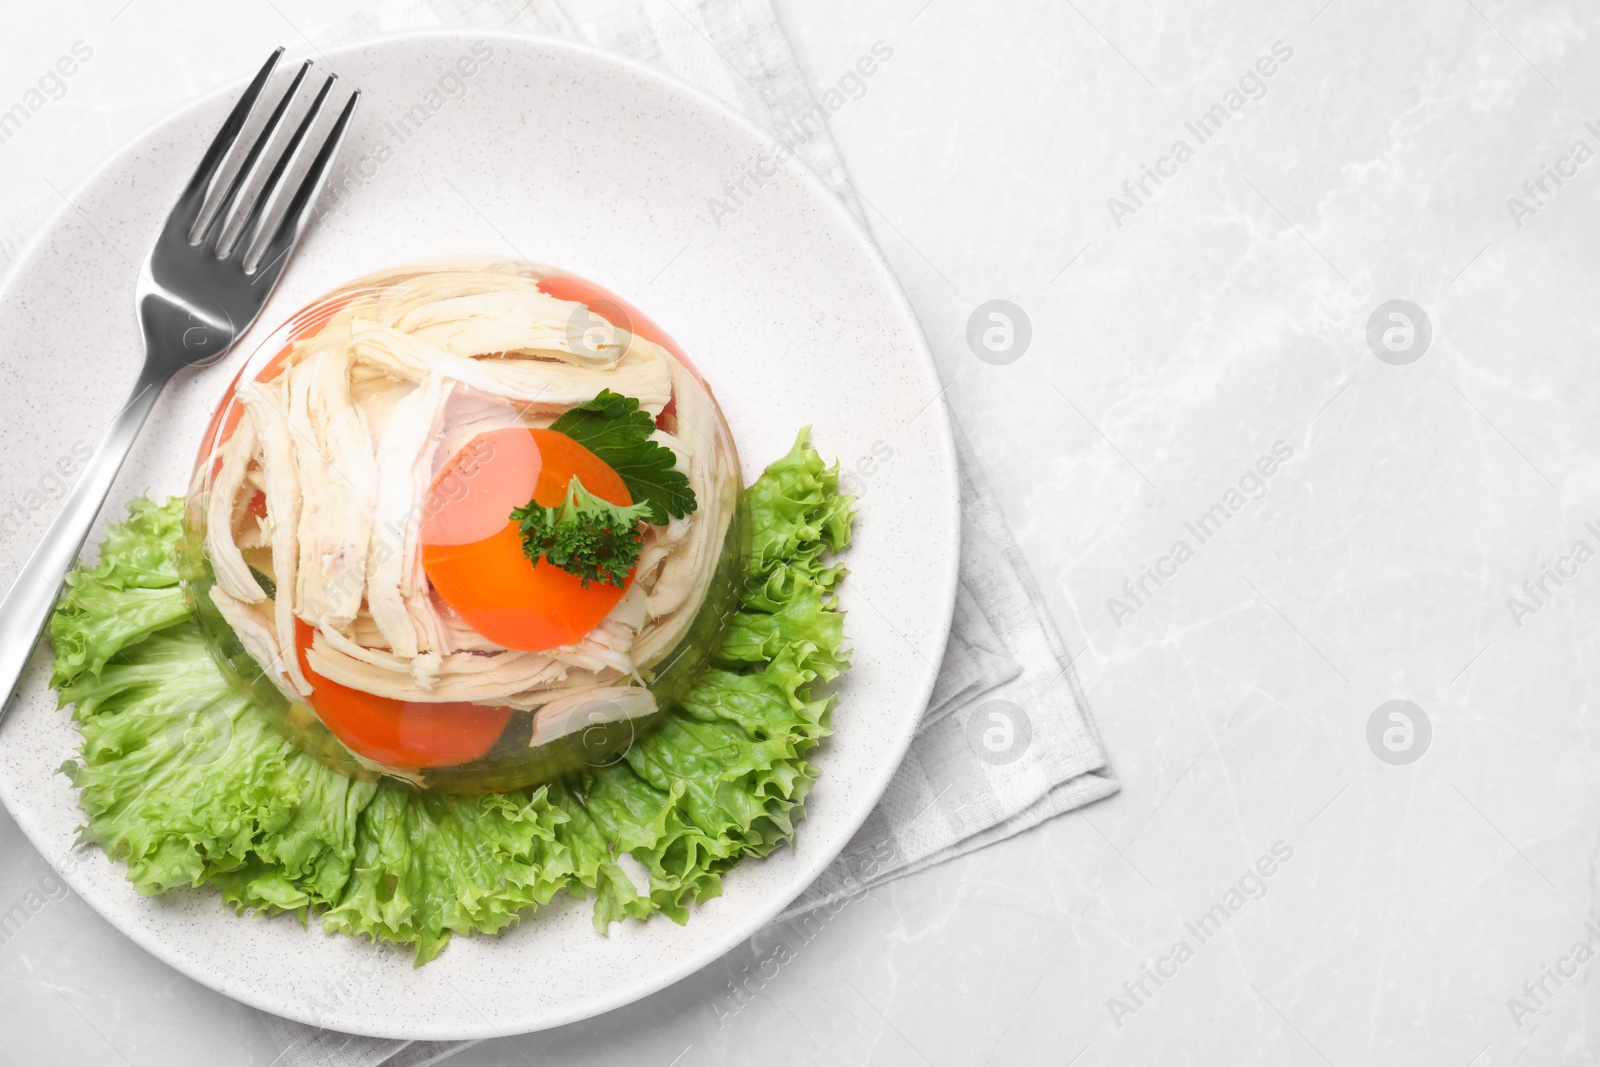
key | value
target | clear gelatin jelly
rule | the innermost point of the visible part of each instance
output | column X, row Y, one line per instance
column 472, row 525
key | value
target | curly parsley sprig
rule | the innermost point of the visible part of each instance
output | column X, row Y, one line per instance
column 592, row 538
column 584, row 535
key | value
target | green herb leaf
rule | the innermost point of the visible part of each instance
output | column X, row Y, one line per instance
column 592, row 538
column 613, row 428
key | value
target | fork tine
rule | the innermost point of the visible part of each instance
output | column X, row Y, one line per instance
column 295, row 216
column 217, row 225
column 194, row 194
column 267, row 198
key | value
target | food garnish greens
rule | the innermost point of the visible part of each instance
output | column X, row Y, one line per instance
column 613, row 428
column 593, row 538
column 584, row 535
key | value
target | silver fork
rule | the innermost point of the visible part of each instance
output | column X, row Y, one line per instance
column 196, row 295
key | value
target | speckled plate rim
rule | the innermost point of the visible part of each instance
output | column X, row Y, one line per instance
column 818, row 855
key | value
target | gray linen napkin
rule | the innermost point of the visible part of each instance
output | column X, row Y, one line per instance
column 1007, row 740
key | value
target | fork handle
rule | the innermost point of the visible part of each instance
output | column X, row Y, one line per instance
column 27, row 605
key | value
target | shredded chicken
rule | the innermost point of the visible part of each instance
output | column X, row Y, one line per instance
column 344, row 444
column 233, row 573
column 397, row 590
column 585, row 708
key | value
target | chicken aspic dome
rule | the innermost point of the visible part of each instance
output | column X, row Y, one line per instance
column 473, row 525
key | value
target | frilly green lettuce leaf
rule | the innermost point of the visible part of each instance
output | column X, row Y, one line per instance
column 797, row 514
column 131, row 593
column 186, row 782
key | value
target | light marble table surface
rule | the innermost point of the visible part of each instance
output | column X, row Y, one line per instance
column 1296, row 871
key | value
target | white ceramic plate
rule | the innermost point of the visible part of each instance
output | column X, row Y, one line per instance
column 570, row 157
